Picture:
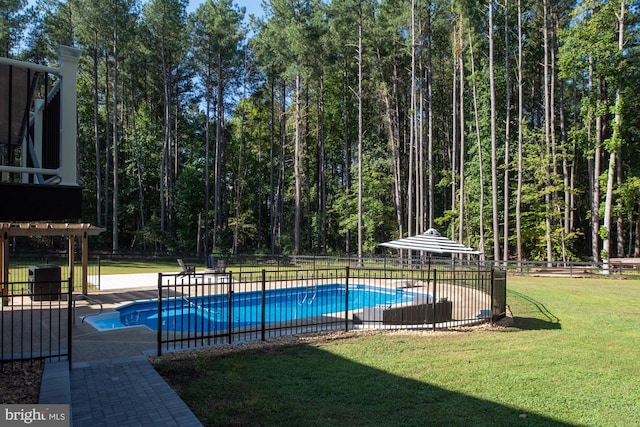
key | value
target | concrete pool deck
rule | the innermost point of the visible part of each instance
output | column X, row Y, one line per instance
column 125, row 281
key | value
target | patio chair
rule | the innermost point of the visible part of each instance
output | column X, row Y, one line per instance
column 221, row 266
column 186, row 269
column 214, row 266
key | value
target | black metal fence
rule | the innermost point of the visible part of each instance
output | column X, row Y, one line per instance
column 35, row 319
column 267, row 296
column 22, row 262
column 201, row 309
column 615, row 267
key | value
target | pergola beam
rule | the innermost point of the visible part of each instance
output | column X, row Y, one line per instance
column 26, row 229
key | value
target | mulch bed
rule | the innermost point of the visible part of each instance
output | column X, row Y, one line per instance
column 20, row 382
column 320, row 337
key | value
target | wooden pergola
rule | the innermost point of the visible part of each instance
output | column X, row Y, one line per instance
column 25, row 229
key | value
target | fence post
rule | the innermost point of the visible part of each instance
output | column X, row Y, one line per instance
column 70, row 315
column 159, row 334
column 264, row 302
column 4, row 267
column 433, row 302
column 492, row 294
column 493, row 303
column 570, row 269
column 230, row 305
column 346, row 300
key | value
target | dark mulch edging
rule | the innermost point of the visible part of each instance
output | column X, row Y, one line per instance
column 20, row 382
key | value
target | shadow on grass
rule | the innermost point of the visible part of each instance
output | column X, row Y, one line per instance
column 306, row 385
column 547, row 319
column 534, row 324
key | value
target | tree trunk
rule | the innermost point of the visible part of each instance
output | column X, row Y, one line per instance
column 282, row 162
column 566, row 168
column 272, row 190
column 108, row 142
column 115, row 222
column 139, row 176
column 594, row 175
column 494, row 149
column 519, row 254
column 606, row 241
column 636, row 246
column 397, row 163
column 574, row 147
column 617, row 124
column 322, row 181
column 207, row 159
column 615, row 145
column 347, row 154
column 619, row 219
column 297, row 163
column 217, row 168
column 462, row 142
column 555, row 204
column 479, row 142
column 431, row 183
column 412, row 127
column 239, row 184
column 454, row 117
column 547, row 134
column 391, row 120
column 507, row 135
column 360, row 133
column 96, row 136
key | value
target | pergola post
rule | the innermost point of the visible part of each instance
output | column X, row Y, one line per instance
column 85, row 262
column 71, row 255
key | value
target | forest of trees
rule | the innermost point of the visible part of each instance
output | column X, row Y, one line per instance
column 331, row 126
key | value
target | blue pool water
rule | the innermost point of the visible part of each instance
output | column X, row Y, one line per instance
column 211, row 312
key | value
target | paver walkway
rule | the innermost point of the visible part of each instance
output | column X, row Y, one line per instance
column 111, row 383
column 125, row 392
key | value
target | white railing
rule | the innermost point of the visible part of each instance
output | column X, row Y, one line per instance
column 67, row 172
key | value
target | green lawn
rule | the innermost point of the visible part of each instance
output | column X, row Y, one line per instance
column 108, row 266
column 570, row 358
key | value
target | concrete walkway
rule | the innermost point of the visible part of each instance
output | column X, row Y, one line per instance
column 112, row 383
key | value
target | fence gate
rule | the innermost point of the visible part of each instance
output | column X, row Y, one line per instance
column 36, row 318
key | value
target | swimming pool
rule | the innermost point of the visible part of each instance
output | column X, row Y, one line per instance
column 214, row 312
